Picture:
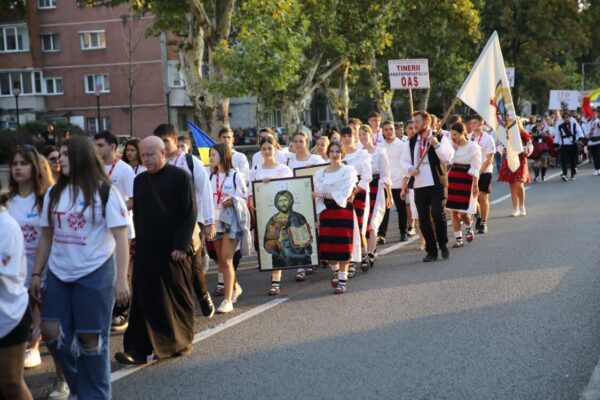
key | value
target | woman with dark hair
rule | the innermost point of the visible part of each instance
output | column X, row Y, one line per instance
column 520, row 177
column 334, row 188
column 270, row 169
column 360, row 160
column 84, row 222
column 463, row 188
column 51, row 154
column 226, row 185
column 131, row 155
column 29, row 180
column 15, row 317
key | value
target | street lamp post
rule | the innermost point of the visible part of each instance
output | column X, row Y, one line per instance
column 97, row 93
column 16, row 93
column 168, row 94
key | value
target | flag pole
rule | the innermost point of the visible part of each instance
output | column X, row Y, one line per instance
column 442, row 122
column 410, row 100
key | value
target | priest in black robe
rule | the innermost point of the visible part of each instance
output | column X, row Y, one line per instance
column 161, row 318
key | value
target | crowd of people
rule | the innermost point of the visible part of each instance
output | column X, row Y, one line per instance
column 91, row 241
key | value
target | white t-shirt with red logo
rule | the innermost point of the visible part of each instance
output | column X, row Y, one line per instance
column 25, row 212
column 81, row 243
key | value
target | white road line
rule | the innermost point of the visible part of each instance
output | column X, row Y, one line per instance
column 409, row 241
column 200, row 336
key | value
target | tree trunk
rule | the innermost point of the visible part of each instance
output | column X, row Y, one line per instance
column 383, row 98
column 425, row 99
column 339, row 98
column 290, row 116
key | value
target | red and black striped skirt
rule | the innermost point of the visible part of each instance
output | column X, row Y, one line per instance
column 336, row 228
column 359, row 203
column 460, row 185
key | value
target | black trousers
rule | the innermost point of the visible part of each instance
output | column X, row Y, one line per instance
column 595, row 153
column 402, row 216
column 431, row 202
column 199, row 278
column 568, row 158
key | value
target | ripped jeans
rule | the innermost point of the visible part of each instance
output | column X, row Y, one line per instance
column 83, row 306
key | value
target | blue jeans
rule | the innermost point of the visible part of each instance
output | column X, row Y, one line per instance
column 82, row 307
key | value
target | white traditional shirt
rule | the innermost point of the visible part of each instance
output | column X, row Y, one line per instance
column 13, row 271
column 82, row 239
column 592, row 131
column 240, row 163
column 223, row 187
column 280, row 156
column 468, row 154
column 486, row 142
column 202, row 188
column 313, row 159
column 361, row 162
column 338, row 184
column 445, row 152
column 258, row 173
column 380, row 165
column 394, row 151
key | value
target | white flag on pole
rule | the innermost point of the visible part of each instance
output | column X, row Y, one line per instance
column 486, row 90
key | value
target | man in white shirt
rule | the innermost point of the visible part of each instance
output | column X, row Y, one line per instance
column 566, row 134
column 122, row 175
column 592, row 133
column 394, row 148
column 204, row 202
column 488, row 148
column 430, row 182
column 374, row 119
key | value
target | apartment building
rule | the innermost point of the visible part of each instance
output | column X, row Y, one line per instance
column 92, row 66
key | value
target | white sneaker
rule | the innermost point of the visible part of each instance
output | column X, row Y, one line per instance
column 32, row 358
column 572, row 178
column 522, row 211
column 596, row 172
column 237, row 292
column 515, row 213
column 225, row 307
column 60, row 390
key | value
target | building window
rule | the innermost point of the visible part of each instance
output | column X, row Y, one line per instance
column 175, row 76
column 50, row 42
column 99, row 81
column 92, row 40
column 54, row 86
column 14, row 39
column 92, row 125
column 28, row 82
column 46, row 4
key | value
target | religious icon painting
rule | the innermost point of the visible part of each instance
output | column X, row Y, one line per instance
column 286, row 223
column 309, row 171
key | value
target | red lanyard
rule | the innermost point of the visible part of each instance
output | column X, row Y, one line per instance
column 478, row 140
column 219, row 193
column 422, row 147
column 375, row 138
column 112, row 167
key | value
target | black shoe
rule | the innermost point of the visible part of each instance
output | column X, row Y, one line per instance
column 478, row 224
column 403, row 237
column 123, row 357
column 119, row 323
column 430, row 257
column 380, row 239
column 483, row 228
column 445, row 252
column 206, row 306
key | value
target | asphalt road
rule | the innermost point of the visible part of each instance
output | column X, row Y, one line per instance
column 513, row 315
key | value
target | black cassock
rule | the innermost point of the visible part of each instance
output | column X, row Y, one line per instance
column 162, row 306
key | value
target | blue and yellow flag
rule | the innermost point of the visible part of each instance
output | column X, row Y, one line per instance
column 203, row 141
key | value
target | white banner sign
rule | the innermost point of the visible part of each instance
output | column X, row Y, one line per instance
column 569, row 97
column 510, row 73
column 409, row 74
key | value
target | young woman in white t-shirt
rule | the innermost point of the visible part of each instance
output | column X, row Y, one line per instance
column 225, row 183
column 131, row 155
column 15, row 318
column 30, row 177
column 51, row 154
column 84, row 223
column 320, row 148
column 270, row 169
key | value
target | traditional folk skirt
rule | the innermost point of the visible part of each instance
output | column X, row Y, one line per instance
column 336, row 228
column 360, row 206
column 520, row 175
column 460, row 185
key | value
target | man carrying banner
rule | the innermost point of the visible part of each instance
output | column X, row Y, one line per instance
column 431, row 152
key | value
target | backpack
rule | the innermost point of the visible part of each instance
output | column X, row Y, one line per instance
column 189, row 159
